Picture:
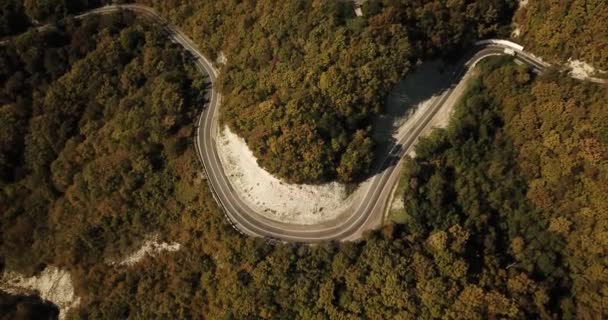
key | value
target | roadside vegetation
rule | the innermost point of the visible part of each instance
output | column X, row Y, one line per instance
column 17, row 15
column 566, row 29
column 523, row 168
column 506, row 215
column 304, row 78
column 96, row 118
column 481, row 241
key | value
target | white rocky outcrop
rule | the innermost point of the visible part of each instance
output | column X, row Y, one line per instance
column 150, row 247
column 275, row 199
column 52, row 284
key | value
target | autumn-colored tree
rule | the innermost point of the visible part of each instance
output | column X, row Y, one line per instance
column 569, row 29
column 316, row 69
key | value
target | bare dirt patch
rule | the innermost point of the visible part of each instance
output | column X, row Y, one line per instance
column 273, row 198
column 405, row 105
column 52, row 284
column 409, row 101
column 581, row 70
column 516, row 31
column 150, row 247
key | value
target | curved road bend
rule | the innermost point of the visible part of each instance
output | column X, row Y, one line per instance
column 367, row 210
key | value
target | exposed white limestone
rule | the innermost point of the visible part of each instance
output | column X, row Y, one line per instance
column 150, row 247
column 581, row 70
column 275, row 199
column 52, row 284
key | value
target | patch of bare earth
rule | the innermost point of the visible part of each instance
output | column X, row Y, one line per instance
column 150, row 247
column 52, row 284
column 273, row 198
column 408, row 103
column 582, row 70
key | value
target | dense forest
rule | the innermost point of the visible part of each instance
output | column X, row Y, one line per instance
column 303, row 84
column 506, row 215
column 95, row 116
column 477, row 244
column 17, row 15
column 481, row 241
column 566, row 29
column 304, row 78
column 523, row 167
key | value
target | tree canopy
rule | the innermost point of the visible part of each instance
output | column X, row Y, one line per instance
column 505, row 209
column 566, row 29
column 96, row 117
column 304, row 78
column 523, row 167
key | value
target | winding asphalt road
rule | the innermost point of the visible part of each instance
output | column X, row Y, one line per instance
column 367, row 210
